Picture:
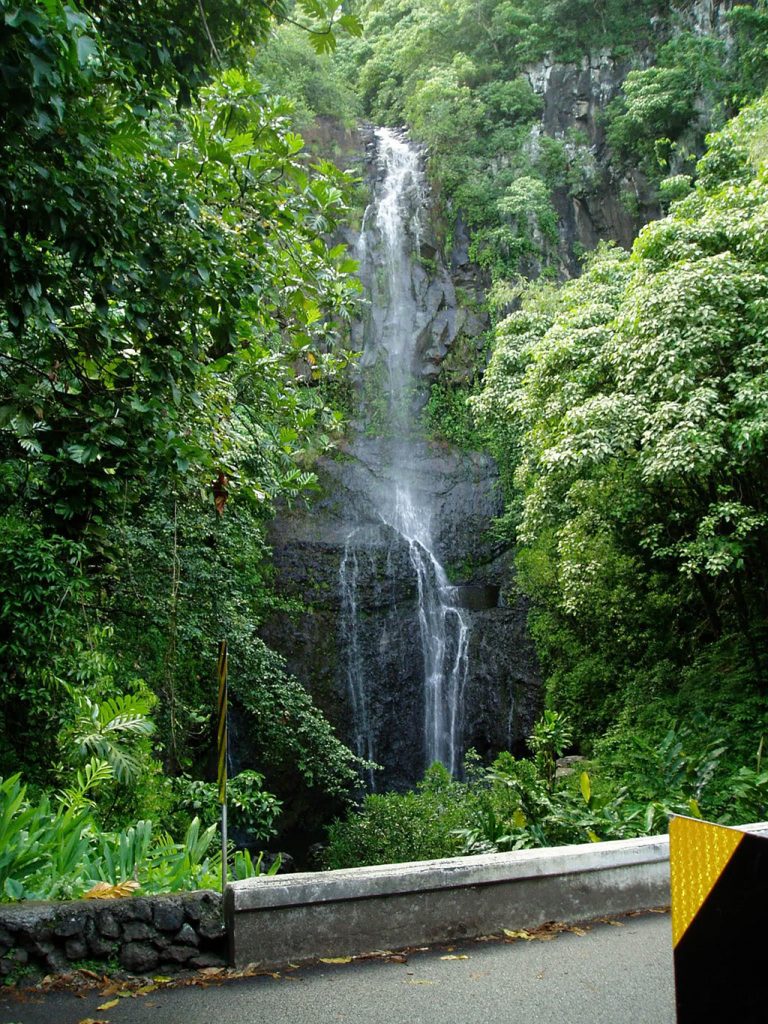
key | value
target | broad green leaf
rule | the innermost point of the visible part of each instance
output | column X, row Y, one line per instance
column 86, row 48
column 586, row 787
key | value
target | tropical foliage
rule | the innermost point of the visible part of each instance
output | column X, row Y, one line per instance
column 173, row 325
column 169, row 317
column 629, row 411
column 467, row 78
column 516, row 804
column 58, row 851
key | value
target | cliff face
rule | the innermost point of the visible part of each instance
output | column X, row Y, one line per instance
column 344, row 533
column 501, row 691
column 610, row 201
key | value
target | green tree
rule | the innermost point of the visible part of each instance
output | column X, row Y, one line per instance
column 659, row 104
column 168, row 314
column 630, row 413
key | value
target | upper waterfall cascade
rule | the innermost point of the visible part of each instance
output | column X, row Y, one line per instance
column 390, row 240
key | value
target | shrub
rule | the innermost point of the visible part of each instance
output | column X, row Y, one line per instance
column 394, row 827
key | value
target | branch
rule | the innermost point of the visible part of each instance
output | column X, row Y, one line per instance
column 214, row 50
column 298, row 24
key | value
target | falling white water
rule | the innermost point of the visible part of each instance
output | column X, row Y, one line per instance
column 391, row 236
column 443, row 629
column 355, row 676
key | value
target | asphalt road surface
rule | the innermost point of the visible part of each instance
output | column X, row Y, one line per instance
column 613, row 974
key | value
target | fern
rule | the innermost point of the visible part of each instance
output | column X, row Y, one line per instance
column 102, row 730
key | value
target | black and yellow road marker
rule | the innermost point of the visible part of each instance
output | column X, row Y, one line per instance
column 222, row 752
column 719, row 882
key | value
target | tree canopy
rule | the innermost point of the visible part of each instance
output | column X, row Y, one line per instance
column 630, row 409
column 169, row 314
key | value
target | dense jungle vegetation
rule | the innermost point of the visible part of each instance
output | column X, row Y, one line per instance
column 173, row 324
column 169, row 314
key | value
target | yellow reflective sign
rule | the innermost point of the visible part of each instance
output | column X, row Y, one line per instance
column 698, row 853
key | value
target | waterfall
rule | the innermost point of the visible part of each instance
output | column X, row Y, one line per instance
column 354, row 669
column 391, row 237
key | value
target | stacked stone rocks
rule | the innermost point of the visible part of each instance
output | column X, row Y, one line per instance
column 141, row 934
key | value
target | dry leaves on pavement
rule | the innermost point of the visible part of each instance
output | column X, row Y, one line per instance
column 544, row 933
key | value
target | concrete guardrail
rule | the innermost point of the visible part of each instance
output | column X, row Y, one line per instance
column 285, row 918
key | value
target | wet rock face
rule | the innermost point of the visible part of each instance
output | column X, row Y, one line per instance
column 445, row 295
column 447, row 291
column 614, row 202
column 575, row 98
column 709, row 17
column 501, row 698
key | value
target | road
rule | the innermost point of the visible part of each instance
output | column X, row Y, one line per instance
column 613, row 974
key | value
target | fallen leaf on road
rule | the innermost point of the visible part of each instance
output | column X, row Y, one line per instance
column 455, row 956
column 575, row 930
column 335, row 959
column 92, row 1020
column 250, row 971
column 109, row 1005
column 544, row 933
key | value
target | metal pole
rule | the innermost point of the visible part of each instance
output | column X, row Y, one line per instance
column 223, row 847
column 223, row 753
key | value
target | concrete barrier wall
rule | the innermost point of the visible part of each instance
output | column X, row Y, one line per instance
column 341, row 913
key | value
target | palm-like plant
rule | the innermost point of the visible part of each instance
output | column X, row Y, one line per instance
column 104, row 729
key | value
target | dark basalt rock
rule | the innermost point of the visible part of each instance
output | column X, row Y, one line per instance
column 167, row 916
column 502, row 688
column 139, row 958
column 49, row 936
column 178, row 954
column 75, row 949
column 134, row 931
column 187, row 936
column 477, row 597
column 107, row 924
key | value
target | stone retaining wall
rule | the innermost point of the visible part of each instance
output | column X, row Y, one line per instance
column 141, row 934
